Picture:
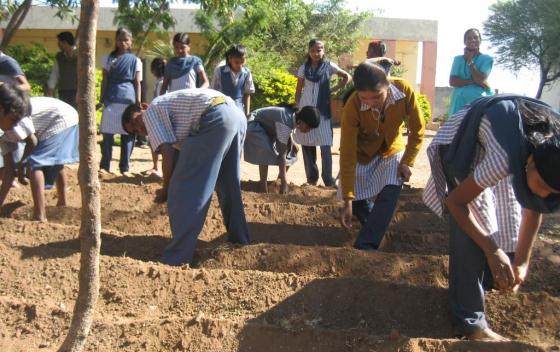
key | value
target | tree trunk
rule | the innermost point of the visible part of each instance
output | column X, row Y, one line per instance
column 541, row 87
column 14, row 23
column 90, row 228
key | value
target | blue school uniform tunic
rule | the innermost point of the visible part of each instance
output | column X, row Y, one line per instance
column 234, row 85
column 310, row 97
column 121, row 73
column 183, row 72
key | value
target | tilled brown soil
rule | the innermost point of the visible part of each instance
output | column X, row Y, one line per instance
column 299, row 287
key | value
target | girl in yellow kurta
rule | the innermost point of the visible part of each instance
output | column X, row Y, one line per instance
column 374, row 159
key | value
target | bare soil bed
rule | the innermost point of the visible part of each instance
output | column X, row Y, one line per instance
column 300, row 286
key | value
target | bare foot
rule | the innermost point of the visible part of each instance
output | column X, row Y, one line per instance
column 486, row 335
column 127, row 174
column 40, row 217
column 152, row 172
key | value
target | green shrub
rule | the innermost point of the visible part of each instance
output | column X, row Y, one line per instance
column 36, row 62
column 98, row 79
column 424, row 107
column 273, row 82
column 278, row 86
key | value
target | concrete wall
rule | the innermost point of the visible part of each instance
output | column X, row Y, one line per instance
column 441, row 104
column 401, row 29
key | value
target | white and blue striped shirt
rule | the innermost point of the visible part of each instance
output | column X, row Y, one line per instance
column 496, row 209
column 173, row 116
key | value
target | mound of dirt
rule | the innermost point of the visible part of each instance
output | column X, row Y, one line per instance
column 300, row 286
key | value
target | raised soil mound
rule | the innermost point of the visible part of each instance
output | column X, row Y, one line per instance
column 299, row 287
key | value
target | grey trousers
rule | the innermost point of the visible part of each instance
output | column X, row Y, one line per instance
column 209, row 159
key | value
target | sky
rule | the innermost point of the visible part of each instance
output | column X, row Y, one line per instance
column 454, row 17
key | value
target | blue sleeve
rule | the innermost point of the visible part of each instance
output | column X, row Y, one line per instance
column 485, row 64
column 458, row 64
column 10, row 67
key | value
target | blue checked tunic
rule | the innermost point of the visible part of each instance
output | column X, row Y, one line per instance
column 173, row 116
column 248, row 87
column 496, row 209
column 112, row 114
column 379, row 172
column 321, row 135
column 186, row 81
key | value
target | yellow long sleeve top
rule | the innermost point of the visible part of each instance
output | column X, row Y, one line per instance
column 364, row 135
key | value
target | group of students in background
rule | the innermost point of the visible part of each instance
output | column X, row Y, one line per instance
column 495, row 163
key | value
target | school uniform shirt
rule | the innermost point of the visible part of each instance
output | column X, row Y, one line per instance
column 112, row 114
column 496, row 209
column 49, row 116
column 321, row 135
column 186, row 81
column 248, row 87
column 267, row 127
column 157, row 87
column 172, row 117
column 371, row 141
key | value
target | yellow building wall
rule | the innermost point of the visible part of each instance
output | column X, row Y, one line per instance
column 407, row 54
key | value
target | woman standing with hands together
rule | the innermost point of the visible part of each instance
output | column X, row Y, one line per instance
column 469, row 73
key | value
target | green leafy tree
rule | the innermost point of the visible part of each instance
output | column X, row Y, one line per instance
column 525, row 34
column 143, row 17
column 279, row 29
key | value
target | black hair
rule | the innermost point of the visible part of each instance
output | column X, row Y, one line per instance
column 66, row 37
column 310, row 115
column 369, row 76
column 541, row 125
column 14, row 100
column 378, row 47
column 158, row 66
column 128, row 113
column 540, row 122
column 311, row 44
column 182, row 37
column 237, row 51
column 120, row 30
column 547, row 161
column 287, row 105
column 471, row 30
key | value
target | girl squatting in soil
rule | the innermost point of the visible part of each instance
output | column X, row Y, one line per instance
column 50, row 134
column 495, row 169
column 269, row 139
column 313, row 89
column 234, row 79
column 122, row 74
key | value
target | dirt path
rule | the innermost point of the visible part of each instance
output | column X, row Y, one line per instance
column 299, row 287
